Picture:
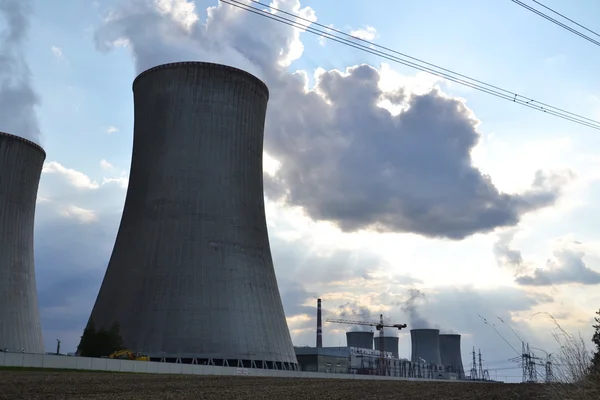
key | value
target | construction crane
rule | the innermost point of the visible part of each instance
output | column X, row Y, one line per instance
column 379, row 326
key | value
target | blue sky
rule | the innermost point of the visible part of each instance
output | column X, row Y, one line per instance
column 86, row 93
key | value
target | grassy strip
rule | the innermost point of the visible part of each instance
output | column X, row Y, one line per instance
column 41, row 369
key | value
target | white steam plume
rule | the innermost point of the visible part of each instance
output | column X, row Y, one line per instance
column 17, row 97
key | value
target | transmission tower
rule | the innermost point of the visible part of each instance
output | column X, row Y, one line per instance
column 549, row 373
column 474, row 366
column 528, row 363
column 483, row 373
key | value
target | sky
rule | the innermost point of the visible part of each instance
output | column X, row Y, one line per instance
column 388, row 190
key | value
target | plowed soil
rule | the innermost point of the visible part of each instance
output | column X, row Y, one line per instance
column 32, row 385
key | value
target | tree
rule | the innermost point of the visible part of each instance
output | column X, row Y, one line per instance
column 596, row 339
column 99, row 343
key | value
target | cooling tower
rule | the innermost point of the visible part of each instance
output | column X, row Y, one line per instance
column 191, row 273
column 21, row 163
column 450, row 353
column 425, row 346
column 390, row 343
column 362, row 340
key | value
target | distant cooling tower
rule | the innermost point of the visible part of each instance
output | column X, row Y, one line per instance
column 425, row 346
column 21, row 163
column 450, row 353
column 390, row 343
column 191, row 274
column 360, row 339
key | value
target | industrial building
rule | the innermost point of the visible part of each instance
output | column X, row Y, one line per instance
column 191, row 278
column 361, row 354
column 21, row 163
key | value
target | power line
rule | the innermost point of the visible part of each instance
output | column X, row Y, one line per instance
column 557, row 22
column 409, row 61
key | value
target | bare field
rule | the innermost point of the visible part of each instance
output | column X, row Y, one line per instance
column 48, row 384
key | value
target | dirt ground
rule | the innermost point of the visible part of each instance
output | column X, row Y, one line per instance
column 33, row 385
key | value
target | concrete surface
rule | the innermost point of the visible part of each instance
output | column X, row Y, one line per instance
column 191, row 273
column 21, row 164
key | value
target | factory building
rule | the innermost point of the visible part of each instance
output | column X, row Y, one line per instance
column 318, row 359
column 21, row 163
column 362, row 356
column 191, row 277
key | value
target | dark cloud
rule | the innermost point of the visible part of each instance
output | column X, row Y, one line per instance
column 344, row 158
column 71, row 253
column 567, row 267
column 18, row 99
column 294, row 297
column 295, row 260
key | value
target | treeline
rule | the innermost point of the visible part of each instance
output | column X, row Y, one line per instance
column 101, row 342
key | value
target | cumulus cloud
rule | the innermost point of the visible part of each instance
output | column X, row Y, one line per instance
column 112, row 129
column 368, row 33
column 106, row 165
column 18, row 98
column 57, row 51
column 567, row 265
column 344, row 158
column 76, row 178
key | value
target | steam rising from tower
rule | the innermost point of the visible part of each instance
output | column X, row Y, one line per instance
column 319, row 325
column 191, row 273
column 21, row 164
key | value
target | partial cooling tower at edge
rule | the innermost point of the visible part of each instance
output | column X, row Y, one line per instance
column 191, row 274
column 425, row 345
column 450, row 353
column 390, row 344
column 21, row 163
column 360, row 339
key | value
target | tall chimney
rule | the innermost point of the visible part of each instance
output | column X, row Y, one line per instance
column 319, row 325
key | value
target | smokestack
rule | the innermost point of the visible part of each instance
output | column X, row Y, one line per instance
column 319, row 325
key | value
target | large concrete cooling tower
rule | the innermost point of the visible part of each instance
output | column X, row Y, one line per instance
column 360, row 339
column 191, row 274
column 450, row 353
column 390, row 343
column 425, row 346
column 21, row 164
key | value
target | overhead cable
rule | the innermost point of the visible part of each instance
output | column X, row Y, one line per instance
column 557, row 22
column 404, row 59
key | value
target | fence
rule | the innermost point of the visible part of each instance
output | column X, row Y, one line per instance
column 106, row 364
